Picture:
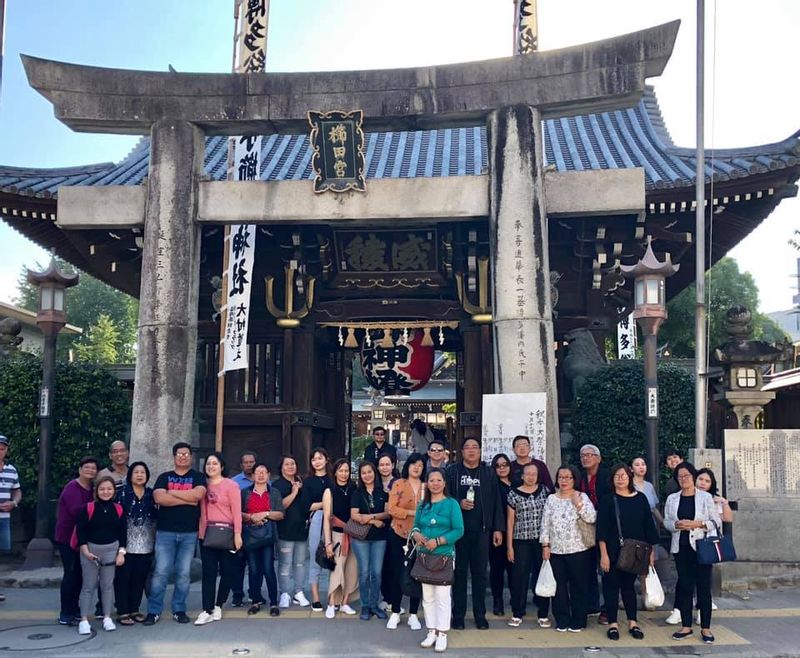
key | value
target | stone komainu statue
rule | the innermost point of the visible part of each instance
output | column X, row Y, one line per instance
column 9, row 336
column 583, row 358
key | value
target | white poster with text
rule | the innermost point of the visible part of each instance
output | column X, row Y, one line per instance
column 506, row 415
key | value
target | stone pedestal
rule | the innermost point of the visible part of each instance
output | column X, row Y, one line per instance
column 523, row 321
column 164, row 393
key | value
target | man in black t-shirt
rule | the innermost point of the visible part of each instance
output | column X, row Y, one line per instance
column 178, row 494
column 379, row 446
column 476, row 488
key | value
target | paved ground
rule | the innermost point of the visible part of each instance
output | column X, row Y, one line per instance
column 768, row 624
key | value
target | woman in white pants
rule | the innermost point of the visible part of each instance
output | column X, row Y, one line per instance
column 438, row 525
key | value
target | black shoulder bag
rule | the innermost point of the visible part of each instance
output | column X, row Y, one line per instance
column 634, row 554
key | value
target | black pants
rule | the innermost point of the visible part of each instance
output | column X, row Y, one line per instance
column 499, row 566
column 593, row 590
column 525, row 569
column 614, row 582
column 237, row 576
column 472, row 556
column 129, row 582
column 692, row 576
column 393, row 568
column 71, row 581
column 572, row 572
column 216, row 562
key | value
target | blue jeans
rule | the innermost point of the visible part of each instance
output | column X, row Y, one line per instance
column 261, row 565
column 174, row 550
column 369, row 555
column 5, row 534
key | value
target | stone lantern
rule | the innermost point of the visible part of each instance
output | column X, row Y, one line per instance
column 743, row 360
column 650, row 309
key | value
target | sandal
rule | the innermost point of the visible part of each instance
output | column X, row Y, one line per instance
column 254, row 609
column 636, row 633
column 139, row 617
column 125, row 620
column 612, row 634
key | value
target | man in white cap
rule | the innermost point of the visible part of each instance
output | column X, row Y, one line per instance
column 10, row 497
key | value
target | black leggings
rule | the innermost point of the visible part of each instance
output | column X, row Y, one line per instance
column 614, row 582
column 71, row 581
column 572, row 572
column 525, row 569
column 216, row 562
column 129, row 582
column 692, row 576
column 499, row 566
column 394, row 568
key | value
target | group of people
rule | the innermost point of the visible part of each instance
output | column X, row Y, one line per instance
column 508, row 518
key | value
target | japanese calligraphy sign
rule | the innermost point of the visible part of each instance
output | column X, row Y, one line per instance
column 507, row 415
column 253, row 41
column 241, row 249
column 338, row 150
column 626, row 338
column 399, row 368
column 386, row 251
column 762, row 463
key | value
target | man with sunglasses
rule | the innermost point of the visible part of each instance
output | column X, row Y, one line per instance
column 379, row 447
column 437, row 455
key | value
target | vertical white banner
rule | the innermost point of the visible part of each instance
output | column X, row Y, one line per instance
column 506, row 415
column 626, row 338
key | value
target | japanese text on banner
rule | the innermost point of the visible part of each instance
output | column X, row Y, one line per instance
column 506, row 415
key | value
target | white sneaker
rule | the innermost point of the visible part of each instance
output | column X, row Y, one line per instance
column 301, row 600
column 84, row 628
column 713, row 606
column 346, row 609
column 413, row 623
column 108, row 624
column 285, row 600
column 394, row 619
column 544, row 622
column 441, row 643
column 203, row 618
column 674, row 618
column 216, row 613
column 429, row 641
column 402, row 611
column 330, row 612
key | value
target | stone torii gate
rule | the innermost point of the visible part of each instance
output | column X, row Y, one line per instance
column 511, row 95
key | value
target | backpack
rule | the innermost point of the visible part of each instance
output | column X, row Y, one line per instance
column 73, row 541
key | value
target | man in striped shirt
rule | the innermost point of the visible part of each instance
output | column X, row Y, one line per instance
column 10, row 495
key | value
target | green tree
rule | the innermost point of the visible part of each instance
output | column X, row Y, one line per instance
column 727, row 286
column 90, row 407
column 86, row 302
column 100, row 342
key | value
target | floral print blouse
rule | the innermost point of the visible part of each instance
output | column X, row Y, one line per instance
column 560, row 524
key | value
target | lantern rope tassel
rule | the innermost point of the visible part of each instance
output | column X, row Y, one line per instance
column 427, row 341
column 386, row 341
column 351, row 338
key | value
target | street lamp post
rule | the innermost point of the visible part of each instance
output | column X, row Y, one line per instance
column 650, row 309
column 50, row 318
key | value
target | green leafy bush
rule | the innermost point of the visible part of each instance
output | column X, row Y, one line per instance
column 609, row 411
column 90, row 408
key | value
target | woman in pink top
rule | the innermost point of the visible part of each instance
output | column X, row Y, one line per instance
column 222, row 505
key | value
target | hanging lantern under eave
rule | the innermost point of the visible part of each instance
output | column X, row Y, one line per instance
column 399, row 369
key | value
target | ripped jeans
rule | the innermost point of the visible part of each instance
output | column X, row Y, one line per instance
column 292, row 565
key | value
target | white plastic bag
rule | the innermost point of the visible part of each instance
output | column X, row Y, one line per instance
column 655, row 593
column 546, row 582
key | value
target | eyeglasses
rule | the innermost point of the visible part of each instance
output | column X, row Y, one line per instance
column 435, row 449
column 565, row 477
column 685, row 476
column 588, row 454
column 621, row 476
column 183, row 454
column 502, row 465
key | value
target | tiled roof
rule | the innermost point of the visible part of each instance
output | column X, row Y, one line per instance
column 636, row 137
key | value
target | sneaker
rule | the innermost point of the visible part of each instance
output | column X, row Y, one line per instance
column 429, row 641
column 366, row 613
column 316, row 606
column 441, row 643
column 203, row 618
column 394, row 620
column 713, row 606
column 544, row 622
column 84, row 628
column 674, row 618
column 66, row 620
column 515, row 622
column 561, row 630
column 330, row 612
column 602, row 619
column 575, row 630
column 300, row 599
column 181, row 617
column 216, row 613
column 380, row 614
column 285, row 600
column 413, row 623
column 108, row 624
column 151, row 619
column 346, row 609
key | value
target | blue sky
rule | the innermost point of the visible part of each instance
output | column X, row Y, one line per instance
column 753, row 97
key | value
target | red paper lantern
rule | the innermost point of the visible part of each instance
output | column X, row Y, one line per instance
column 400, row 368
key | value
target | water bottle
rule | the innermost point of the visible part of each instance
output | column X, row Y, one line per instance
column 471, row 494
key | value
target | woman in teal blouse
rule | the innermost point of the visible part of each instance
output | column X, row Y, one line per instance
column 438, row 525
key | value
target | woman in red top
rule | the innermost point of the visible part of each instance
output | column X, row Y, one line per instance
column 262, row 505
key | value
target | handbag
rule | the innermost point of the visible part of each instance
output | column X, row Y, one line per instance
column 432, row 569
column 220, row 536
column 258, row 536
column 587, row 533
column 634, row 554
column 356, row 530
column 322, row 559
column 711, row 550
column 410, row 587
